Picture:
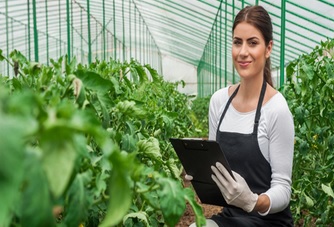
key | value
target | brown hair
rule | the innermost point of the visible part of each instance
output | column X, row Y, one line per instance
column 259, row 18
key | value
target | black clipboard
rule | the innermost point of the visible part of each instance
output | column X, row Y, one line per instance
column 197, row 156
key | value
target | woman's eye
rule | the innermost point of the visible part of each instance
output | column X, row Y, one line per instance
column 252, row 43
column 236, row 42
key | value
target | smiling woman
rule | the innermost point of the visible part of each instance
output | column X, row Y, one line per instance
column 254, row 127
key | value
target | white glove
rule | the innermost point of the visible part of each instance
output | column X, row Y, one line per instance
column 235, row 192
column 188, row 177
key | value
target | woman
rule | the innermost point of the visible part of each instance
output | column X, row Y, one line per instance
column 253, row 124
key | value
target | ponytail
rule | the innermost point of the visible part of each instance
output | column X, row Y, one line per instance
column 267, row 72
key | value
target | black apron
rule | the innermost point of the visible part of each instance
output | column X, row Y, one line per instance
column 244, row 156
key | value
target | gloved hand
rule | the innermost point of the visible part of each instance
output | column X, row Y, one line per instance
column 188, row 177
column 235, row 192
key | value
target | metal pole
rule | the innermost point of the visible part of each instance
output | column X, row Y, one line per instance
column 104, row 30
column 130, row 51
column 35, row 30
column 59, row 21
column 81, row 40
column 225, row 44
column 114, row 20
column 29, row 41
column 282, row 42
column 7, row 38
column 233, row 76
column 72, row 40
column 68, row 31
column 220, row 48
column 47, row 33
column 123, row 46
column 89, row 35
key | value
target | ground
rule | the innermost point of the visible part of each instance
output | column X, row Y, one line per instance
column 189, row 216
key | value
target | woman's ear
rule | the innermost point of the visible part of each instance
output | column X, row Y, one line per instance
column 269, row 48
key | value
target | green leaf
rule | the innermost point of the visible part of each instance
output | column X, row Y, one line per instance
column 190, row 197
column 309, row 201
column 154, row 74
column 328, row 190
column 94, row 81
column 119, row 189
column 172, row 200
column 1, row 56
column 150, row 148
column 308, row 69
column 76, row 211
column 58, row 159
column 36, row 199
column 11, row 164
column 290, row 69
column 17, row 56
column 141, row 215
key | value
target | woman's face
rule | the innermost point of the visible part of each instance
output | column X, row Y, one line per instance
column 249, row 51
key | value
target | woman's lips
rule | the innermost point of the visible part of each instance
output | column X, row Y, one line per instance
column 244, row 63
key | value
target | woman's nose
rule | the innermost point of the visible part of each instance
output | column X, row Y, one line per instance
column 243, row 50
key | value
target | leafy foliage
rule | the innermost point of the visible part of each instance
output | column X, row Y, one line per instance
column 88, row 144
column 309, row 91
column 200, row 111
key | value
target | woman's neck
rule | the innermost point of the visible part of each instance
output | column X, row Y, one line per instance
column 248, row 95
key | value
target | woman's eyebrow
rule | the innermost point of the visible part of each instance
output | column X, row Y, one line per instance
column 251, row 38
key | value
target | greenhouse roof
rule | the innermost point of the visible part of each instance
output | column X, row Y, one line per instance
column 185, row 30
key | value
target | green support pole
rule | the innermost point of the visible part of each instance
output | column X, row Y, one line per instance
column 12, row 35
column 68, row 30
column 130, row 51
column 35, row 30
column 89, row 35
column 72, row 37
column 114, row 20
column 96, row 40
column 104, row 29
column 29, row 35
column 47, row 33
column 123, row 44
column 225, row 84
column 220, row 47
column 140, row 51
column 81, row 40
column 136, row 40
column 215, row 54
column 257, row 2
column 283, row 2
column 59, row 21
column 233, row 69
column 7, row 33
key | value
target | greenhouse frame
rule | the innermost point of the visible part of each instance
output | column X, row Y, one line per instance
column 92, row 92
column 194, row 35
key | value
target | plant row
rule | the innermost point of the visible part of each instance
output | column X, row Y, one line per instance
column 88, row 145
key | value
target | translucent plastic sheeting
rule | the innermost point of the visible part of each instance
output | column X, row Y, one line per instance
column 196, row 32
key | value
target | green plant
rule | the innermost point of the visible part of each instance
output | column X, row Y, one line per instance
column 200, row 111
column 88, row 144
column 309, row 91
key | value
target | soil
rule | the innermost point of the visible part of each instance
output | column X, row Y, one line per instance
column 189, row 216
column 209, row 210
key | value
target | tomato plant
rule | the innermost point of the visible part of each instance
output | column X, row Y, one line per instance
column 309, row 91
column 88, row 145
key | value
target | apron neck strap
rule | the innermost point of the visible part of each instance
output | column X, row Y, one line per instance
column 259, row 105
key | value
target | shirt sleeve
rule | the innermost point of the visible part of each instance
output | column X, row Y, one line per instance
column 217, row 103
column 281, row 148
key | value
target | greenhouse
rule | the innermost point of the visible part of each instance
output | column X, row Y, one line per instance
column 92, row 91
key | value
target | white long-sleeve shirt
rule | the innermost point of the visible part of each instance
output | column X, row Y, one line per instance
column 275, row 138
